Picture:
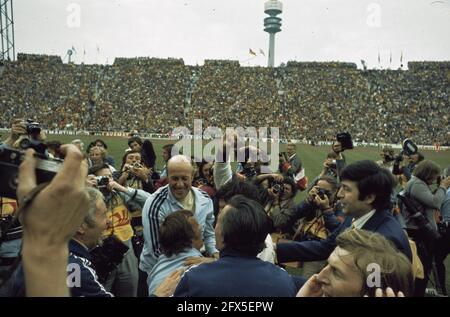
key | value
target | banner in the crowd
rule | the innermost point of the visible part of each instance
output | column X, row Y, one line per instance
column 4, row 131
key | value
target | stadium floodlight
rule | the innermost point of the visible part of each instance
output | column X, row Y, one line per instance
column 7, row 30
column 272, row 25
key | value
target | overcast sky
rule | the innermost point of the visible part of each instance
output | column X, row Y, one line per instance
column 312, row 30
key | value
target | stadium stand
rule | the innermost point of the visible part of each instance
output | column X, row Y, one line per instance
column 307, row 100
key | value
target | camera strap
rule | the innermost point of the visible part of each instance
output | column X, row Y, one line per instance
column 28, row 199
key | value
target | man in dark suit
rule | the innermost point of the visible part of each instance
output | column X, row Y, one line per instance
column 241, row 230
column 365, row 196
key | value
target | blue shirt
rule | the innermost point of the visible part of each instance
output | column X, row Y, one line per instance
column 167, row 265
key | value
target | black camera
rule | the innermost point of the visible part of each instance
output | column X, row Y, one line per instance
column 31, row 140
column 102, row 185
column 333, row 164
column 346, row 140
column 416, row 213
column 6, row 223
column 108, row 256
column 102, row 181
column 278, row 188
column 322, row 193
column 443, row 228
column 10, row 159
column 388, row 158
column 249, row 172
column 33, row 128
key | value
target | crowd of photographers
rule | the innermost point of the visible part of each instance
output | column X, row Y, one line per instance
column 305, row 100
column 137, row 229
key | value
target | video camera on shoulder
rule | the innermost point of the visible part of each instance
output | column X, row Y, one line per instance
column 346, row 140
column 416, row 212
column 408, row 148
column 10, row 159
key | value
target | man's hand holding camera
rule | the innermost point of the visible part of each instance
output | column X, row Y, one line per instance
column 18, row 128
column 140, row 172
column 50, row 216
column 319, row 198
column 283, row 157
column 274, row 194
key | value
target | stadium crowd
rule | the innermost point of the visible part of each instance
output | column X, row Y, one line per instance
column 307, row 101
column 131, row 230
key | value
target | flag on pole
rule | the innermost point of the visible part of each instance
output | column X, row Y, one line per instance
column 262, row 52
column 390, row 58
column 251, row 52
column 379, row 59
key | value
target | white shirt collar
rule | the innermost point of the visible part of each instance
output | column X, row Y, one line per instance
column 361, row 221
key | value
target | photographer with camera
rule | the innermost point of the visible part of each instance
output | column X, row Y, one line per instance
column 277, row 197
column 25, row 134
column 121, row 277
column 414, row 157
column 343, row 142
column 290, row 163
column 316, row 217
column 145, row 147
column 46, row 233
column 420, row 224
column 387, row 158
column 133, row 173
column 10, row 226
column 136, row 175
column 329, row 166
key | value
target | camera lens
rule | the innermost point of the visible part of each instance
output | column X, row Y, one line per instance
column 25, row 144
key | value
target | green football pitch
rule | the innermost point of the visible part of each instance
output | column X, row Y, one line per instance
column 312, row 156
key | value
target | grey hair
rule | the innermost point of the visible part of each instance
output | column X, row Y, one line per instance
column 94, row 196
column 446, row 172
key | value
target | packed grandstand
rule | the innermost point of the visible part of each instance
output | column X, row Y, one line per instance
column 308, row 101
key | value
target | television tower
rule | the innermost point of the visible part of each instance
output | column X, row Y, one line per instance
column 272, row 25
